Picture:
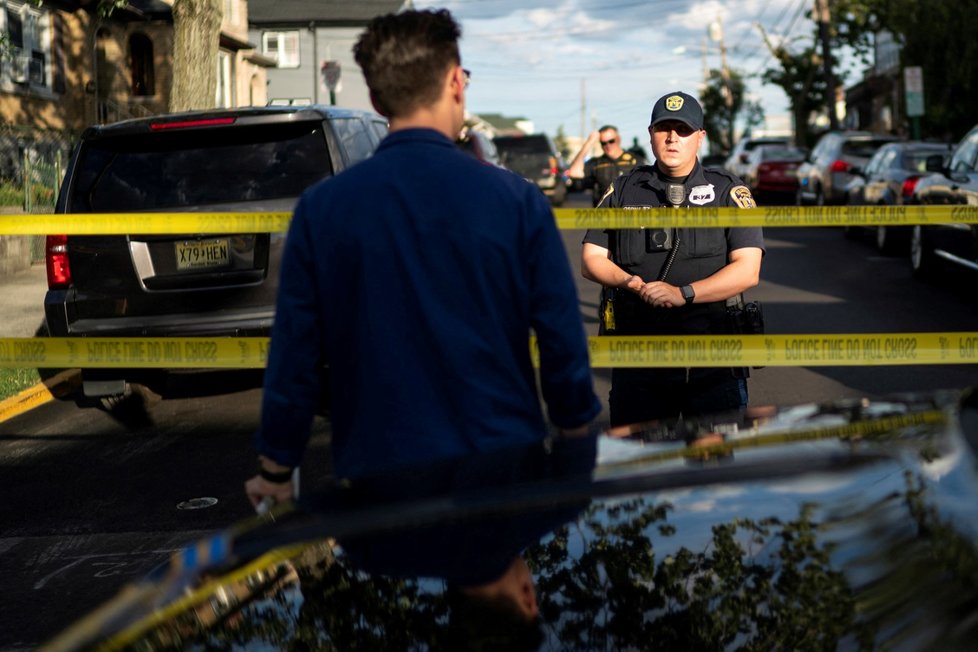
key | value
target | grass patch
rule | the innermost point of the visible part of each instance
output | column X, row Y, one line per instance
column 13, row 381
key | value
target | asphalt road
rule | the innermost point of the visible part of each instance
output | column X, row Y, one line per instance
column 89, row 501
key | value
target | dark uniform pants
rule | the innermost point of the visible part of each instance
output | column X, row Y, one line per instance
column 651, row 394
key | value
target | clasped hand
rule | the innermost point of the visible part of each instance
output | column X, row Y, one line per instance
column 657, row 293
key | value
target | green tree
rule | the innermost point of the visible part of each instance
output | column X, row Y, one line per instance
column 799, row 74
column 938, row 36
column 721, row 114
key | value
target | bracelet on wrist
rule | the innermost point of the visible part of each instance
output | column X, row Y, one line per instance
column 275, row 477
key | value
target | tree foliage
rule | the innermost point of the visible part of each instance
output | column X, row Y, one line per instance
column 938, row 36
column 720, row 117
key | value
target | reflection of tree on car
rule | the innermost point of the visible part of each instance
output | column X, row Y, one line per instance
column 825, row 540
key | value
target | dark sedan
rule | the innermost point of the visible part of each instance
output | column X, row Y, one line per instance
column 836, row 526
column 889, row 179
column 952, row 245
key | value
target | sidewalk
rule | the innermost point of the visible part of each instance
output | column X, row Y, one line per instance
column 22, row 298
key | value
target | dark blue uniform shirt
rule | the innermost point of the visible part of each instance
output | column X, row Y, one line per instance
column 417, row 276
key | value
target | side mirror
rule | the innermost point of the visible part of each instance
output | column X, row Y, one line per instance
column 743, row 158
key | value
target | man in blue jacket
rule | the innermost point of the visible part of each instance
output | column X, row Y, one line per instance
column 417, row 276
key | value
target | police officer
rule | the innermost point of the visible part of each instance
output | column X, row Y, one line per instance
column 674, row 281
column 598, row 173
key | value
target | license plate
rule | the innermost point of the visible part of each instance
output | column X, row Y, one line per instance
column 202, row 254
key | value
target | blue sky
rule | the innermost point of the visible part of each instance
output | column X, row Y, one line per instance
column 532, row 59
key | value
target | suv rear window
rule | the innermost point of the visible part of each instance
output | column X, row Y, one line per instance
column 525, row 145
column 139, row 172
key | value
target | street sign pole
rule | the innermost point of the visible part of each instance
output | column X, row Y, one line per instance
column 331, row 78
column 913, row 88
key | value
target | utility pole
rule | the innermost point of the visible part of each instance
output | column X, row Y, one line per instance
column 824, row 18
column 716, row 34
column 706, row 67
column 583, row 133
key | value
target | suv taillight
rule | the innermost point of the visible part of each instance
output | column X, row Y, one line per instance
column 839, row 166
column 56, row 261
column 553, row 165
column 908, row 185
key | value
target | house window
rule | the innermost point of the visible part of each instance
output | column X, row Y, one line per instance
column 283, row 47
column 141, row 65
column 224, row 99
column 27, row 31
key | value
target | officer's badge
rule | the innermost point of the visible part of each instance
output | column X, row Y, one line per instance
column 607, row 193
column 700, row 195
column 674, row 102
column 742, row 197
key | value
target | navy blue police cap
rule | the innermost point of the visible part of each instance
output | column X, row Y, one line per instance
column 678, row 106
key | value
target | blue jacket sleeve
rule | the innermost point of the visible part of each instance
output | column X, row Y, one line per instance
column 565, row 370
column 296, row 358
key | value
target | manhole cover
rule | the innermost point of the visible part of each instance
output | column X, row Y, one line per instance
column 197, row 503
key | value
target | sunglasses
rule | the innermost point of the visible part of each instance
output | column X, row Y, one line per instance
column 682, row 129
column 468, row 76
column 609, row 142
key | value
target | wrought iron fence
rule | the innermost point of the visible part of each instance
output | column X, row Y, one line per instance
column 32, row 164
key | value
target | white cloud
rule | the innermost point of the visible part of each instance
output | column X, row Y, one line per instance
column 578, row 63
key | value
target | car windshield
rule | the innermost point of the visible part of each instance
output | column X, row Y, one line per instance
column 916, row 160
column 862, row 148
column 199, row 167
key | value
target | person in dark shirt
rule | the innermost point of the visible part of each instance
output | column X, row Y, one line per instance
column 417, row 277
column 673, row 281
column 598, row 172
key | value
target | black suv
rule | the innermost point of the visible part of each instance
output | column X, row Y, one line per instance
column 535, row 158
column 188, row 284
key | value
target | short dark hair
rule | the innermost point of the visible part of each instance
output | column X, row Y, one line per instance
column 607, row 127
column 481, row 624
column 404, row 57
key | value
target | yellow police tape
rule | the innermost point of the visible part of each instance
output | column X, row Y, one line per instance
column 769, row 216
column 567, row 218
column 143, row 223
column 625, row 351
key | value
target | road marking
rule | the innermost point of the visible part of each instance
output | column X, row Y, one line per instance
column 44, row 392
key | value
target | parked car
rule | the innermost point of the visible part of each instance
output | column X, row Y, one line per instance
column 535, row 158
column 830, row 526
column 772, row 172
column 736, row 162
column 825, row 174
column 889, row 179
column 956, row 183
column 479, row 145
column 188, row 284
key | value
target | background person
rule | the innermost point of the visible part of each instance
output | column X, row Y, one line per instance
column 675, row 281
column 598, row 172
column 417, row 276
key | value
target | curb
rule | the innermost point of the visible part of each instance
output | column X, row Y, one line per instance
column 58, row 386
